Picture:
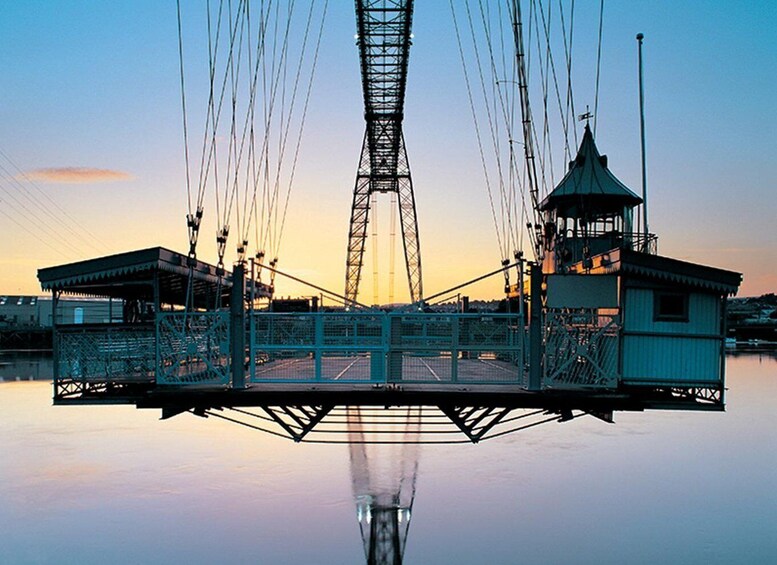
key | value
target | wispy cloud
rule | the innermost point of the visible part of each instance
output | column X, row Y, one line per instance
column 76, row 175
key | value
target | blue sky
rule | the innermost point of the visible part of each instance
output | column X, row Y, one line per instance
column 95, row 84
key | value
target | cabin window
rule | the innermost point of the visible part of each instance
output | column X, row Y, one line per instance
column 670, row 307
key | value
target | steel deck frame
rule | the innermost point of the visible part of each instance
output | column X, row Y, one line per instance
column 316, row 413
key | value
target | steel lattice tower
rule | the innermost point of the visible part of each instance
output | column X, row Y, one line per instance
column 384, row 45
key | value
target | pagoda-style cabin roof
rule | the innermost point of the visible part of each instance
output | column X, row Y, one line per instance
column 589, row 189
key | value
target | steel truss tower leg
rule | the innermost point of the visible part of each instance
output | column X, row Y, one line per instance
column 409, row 221
column 400, row 181
column 360, row 211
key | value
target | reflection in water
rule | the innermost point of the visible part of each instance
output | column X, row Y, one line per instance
column 196, row 491
column 384, row 479
column 25, row 365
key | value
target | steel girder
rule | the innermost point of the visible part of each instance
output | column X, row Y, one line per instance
column 384, row 45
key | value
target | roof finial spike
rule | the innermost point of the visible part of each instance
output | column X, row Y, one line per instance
column 587, row 116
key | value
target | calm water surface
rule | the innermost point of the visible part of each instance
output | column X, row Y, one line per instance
column 94, row 485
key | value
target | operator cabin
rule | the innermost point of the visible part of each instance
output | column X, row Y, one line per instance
column 671, row 312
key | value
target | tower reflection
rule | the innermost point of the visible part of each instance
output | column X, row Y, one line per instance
column 383, row 473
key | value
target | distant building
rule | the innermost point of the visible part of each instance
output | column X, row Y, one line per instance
column 35, row 311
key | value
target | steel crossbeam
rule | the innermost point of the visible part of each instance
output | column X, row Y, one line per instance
column 384, row 45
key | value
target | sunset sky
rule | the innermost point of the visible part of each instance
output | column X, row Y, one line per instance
column 91, row 128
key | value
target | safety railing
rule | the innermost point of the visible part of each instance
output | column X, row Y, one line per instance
column 319, row 346
column 386, row 347
column 581, row 348
column 195, row 348
column 192, row 348
column 100, row 352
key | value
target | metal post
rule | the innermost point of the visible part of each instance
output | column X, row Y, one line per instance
column 237, row 326
column 54, row 337
column 157, row 295
column 318, row 353
column 455, row 348
column 535, row 327
column 642, row 135
column 521, row 325
column 395, row 352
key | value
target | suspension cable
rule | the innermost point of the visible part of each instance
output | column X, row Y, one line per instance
column 302, row 122
column 477, row 129
column 183, row 108
column 598, row 64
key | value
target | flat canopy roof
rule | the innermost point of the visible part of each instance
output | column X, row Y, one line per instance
column 131, row 276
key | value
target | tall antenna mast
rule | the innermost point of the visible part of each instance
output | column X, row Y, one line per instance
column 640, row 37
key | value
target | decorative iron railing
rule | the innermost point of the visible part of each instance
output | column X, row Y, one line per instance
column 99, row 352
column 376, row 347
column 192, row 348
column 644, row 242
column 581, row 349
column 386, row 347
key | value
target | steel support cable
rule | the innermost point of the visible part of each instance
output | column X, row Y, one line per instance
column 246, row 424
column 248, row 129
column 542, row 64
column 42, row 224
column 508, row 189
column 238, row 154
column 392, row 246
column 301, row 129
column 491, row 121
column 551, row 61
column 302, row 126
column 283, row 131
column 477, row 129
column 370, row 431
column 20, row 175
column 529, row 129
column 233, row 167
column 284, row 125
column 211, row 119
column 523, row 65
column 55, row 216
column 384, row 442
column 517, row 181
column 183, row 109
column 262, row 157
column 240, row 148
column 570, row 105
column 260, row 169
column 282, row 148
column 598, row 64
column 269, row 197
column 495, row 99
column 374, row 237
column 514, row 188
column 250, row 176
column 268, row 186
column 498, row 105
column 330, row 293
column 547, row 143
column 45, row 242
column 502, row 269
